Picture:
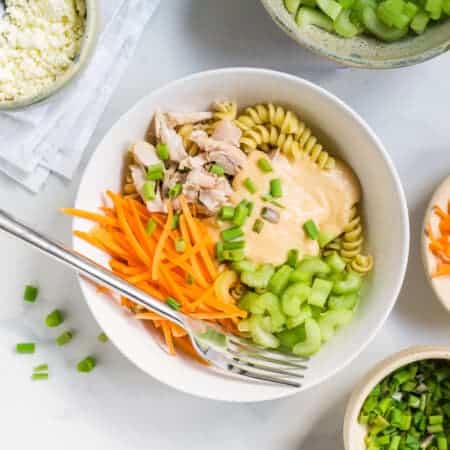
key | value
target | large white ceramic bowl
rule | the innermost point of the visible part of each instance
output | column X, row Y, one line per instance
column 346, row 135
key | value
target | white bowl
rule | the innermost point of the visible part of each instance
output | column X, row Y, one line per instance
column 346, row 134
column 354, row 432
column 440, row 285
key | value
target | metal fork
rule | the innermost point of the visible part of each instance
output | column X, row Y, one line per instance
column 232, row 354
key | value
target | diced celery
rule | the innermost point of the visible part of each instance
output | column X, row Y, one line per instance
column 446, row 7
column 312, row 342
column 348, row 301
column 331, row 8
column 297, row 276
column 280, row 279
column 334, row 276
column 319, row 292
column 390, row 12
column 410, row 9
column 420, row 22
column 350, row 285
column 293, row 297
column 299, row 319
column 272, row 305
column 346, row 4
column 259, row 278
column 308, row 16
column 213, row 337
column 335, row 262
column 330, row 320
column 243, row 266
column 379, row 29
column 434, row 7
column 346, row 28
column 252, row 303
column 259, row 335
column 289, row 338
column 313, row 265
column 292, row 5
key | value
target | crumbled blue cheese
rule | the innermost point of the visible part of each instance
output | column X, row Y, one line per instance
column 39, row 40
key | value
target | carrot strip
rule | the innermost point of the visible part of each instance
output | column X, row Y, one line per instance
column 89, row 239
column 168, row 338
column 103, row 220
column 149, row 316
column 185, row 345
column 171, row 283
column 125, row 269
column 213, row 316
column 161, row 242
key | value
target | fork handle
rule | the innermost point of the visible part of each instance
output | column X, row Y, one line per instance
column 86, row 267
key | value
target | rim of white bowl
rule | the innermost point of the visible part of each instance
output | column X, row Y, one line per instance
column 345, row 109
column 381, row 370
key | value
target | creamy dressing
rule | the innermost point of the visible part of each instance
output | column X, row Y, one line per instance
column 325, row 196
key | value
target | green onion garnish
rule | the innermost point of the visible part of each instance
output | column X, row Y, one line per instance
column 54, row 319
column 175, row 221
column 173, row 303
column 219, row 251
column 226, row 212
column 180, row 245
column 292, row 258
column 217, row 169
column 240, row 214
column 258, row 226
column 162, row 151
column 264, row 165
column 41, row 368
column 232, row 233
column 149, row 191
column 30, row 293
column 175, row 190
column 155, row 172
column 233, row 255
column 250, row 206
column 270, row 199
column 87, row 364
column 151, row 226
column 311, row 229
column 64, row 338
column 102, row 337
column 39, row 376
column 233, row 245
column 250, row 186
column 25, row 347
column 276, row 190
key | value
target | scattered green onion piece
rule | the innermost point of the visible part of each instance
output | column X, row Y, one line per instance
column 264, row 165
column 39, row 376
column 219, row 251
column 25, row 347
column 155, row 172
column 233, row 245
column 250, row 206
column 87, row 364
column 240, row 214
column 311, row 229
column 54, row 319
column 30, row 293
column 180, row 245
column 233, row 255
column 270, row 199
column 258, row 226
column 173, row 303
column 64, row 338
column 162, row 151
column 226, row 212
column 149, row 191
column 103, row 337
column 41, row 368
column 217, row 169
column 175, row 190
column 151, row 226
column 250, row 186
column 292, row 258
column 232, row 233
column 276, row 191
column 175, row 221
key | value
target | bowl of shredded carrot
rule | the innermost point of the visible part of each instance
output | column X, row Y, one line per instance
column 436, row 243
column 155, row 218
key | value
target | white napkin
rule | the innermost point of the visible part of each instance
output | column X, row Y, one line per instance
column 51, row 136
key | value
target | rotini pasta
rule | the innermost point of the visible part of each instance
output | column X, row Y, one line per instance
column 185, row 132
column 128, row 188
column 224, row 110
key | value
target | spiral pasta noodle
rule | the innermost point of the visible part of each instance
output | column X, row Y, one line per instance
column 128, row 187
column 224, row 110
column 185, row 132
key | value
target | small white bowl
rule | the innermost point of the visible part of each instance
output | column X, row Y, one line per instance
column 81, row 60
column 354, row 432
column 440, row 285
column 345, row 134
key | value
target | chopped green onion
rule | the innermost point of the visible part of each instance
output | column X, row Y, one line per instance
column 217, row 169
column 39, row 376
column 311, row 229
column 64, row 338
column 25, row 347
column 151, row 226
column 226, row 212
column 41, row 368
column 233, row 245
column 87, row 364
column 219, row 251
column 232, row 233
column 162, row 151
column 54, row 319
column 155, row 172
column 175, row 190
column 233, row 255
column 180, row 245
column 173, row 303
column 264, row 165
column 175, row 221
column 250, row 186
column 149, row 191
column 30, row 293
column 276, row 191
column 292, row 258
column 258, row 226
column 250, row 206
column 103, row 337
column 240, row 214
column 270, row 199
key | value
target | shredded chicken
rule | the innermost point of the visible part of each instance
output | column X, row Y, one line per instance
column 139, row 179
column 201, row 178
column 174, row 119
column 169, row 137
column 227, row 131
column 193, row 162
column 214, row 198
column 145, row 154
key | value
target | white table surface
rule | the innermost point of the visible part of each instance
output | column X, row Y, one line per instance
column 117, row 406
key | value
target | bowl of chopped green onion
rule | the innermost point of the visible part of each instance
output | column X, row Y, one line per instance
column 373, row 34
column 402, row 403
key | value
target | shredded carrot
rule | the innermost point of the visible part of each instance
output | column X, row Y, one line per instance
column 103, row 220
column 161, row 242
column 440, row 245
column 185, row 345
column 168, row 337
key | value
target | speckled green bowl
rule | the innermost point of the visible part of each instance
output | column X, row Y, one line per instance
column 87, row 45
column 364, row 51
